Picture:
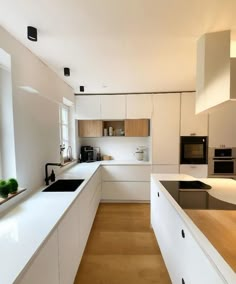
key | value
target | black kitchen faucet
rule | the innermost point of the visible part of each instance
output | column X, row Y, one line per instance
column 52, row 176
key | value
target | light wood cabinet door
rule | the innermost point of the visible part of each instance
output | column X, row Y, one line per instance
column 136, row 127
column 90, row 128
column 191, row 123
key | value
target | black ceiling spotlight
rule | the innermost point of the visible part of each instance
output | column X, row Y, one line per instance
column 66, row 71
column 81, row 88
column 32, row 33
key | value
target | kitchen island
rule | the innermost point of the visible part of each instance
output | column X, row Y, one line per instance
column 191, row 254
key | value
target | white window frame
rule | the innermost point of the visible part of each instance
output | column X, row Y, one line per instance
column 66, row 125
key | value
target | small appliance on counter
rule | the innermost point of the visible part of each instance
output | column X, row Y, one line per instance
column 87, row 154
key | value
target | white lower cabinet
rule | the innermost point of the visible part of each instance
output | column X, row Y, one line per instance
column 68, row 243
column 125, row 191
column 126, row 183
column 44, row 266
column 198, row 171
column 59, row 257
column 164, row 169
column 185, row 260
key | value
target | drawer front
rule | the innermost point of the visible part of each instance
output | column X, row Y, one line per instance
column 198, row 171
column 126, row 191
column 126, row 173
column 164, row 169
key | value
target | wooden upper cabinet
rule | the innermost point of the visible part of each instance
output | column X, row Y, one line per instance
column 137, row 127
column 90, row 128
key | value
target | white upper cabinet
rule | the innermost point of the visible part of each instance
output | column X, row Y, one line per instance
column 88, row 107
column 139, row 106
column 165, row 129
column 113, row 107
column 222, row 125
column 191, row 123
column 215, row 71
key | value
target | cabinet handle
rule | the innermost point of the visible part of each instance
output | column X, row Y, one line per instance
column 192, row 134
column 158, row 194
column 183, row 234
column 183, row 282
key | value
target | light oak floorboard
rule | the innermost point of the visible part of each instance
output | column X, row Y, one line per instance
column 122, row 248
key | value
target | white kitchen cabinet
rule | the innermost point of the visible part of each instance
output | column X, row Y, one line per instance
column 164, row 169
column 191, row 123
column 198, row 171
column 222, row 125
column 88, row 107
column 126, row 173
column 166, row 129
column 44, row 266
column 88, row 203
column 126, row 191
column 126, row 183
column 185, row 259
column 113, row 107
column 139, row 106
column 68, row 242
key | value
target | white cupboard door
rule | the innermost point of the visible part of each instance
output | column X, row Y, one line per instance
column 198, row 171
column 165, row 129
column 113, row 106
column 126, row 173
column 191, row 123
column 44, row 267
column 68, row 240
column 126, row 191
column 139, row 106
column 164, row 169
column 88, row 107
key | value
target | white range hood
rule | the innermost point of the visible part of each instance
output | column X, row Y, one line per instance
column 216, row 72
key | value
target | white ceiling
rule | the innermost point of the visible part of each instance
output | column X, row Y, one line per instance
column 119, row 45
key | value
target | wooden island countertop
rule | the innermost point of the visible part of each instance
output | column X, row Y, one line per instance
column 219, row 227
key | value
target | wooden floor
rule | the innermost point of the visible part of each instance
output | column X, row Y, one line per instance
column 122, row 248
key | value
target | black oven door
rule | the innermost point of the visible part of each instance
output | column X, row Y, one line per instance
column 193, row 150
column 223, row 166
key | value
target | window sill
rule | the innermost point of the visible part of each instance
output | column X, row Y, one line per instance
column 10, row 196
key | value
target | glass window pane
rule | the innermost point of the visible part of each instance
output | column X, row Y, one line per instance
column 65, row 132
column 64, row 115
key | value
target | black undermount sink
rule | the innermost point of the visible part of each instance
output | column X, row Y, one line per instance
column 64, row 185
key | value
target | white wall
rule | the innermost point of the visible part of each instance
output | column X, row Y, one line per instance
column 36, row 116
column 120, row 148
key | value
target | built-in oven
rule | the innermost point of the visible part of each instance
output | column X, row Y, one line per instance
column 193, row 149
column 222, row 161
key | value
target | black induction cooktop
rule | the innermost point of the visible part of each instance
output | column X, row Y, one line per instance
column 193, row 195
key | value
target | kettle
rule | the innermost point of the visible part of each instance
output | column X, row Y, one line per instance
column 139, row 155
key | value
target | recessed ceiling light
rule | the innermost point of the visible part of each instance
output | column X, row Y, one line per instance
column 66, row 71
column 32, row 33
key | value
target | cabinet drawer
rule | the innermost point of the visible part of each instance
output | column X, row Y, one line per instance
column 198, row 171
column 165, row 169
column 126, row 191
column 126, row 173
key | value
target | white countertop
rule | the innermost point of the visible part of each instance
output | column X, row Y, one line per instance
column 222, row 188
column 24, row 228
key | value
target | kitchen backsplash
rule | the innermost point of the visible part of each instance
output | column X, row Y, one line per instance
column 119, row 148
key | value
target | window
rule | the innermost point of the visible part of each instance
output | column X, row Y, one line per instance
column 64, row 129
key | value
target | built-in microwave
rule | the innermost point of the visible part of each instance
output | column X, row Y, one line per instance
column 222, row 161
column 193, row 149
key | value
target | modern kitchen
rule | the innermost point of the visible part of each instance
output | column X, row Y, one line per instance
column 117, row 142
